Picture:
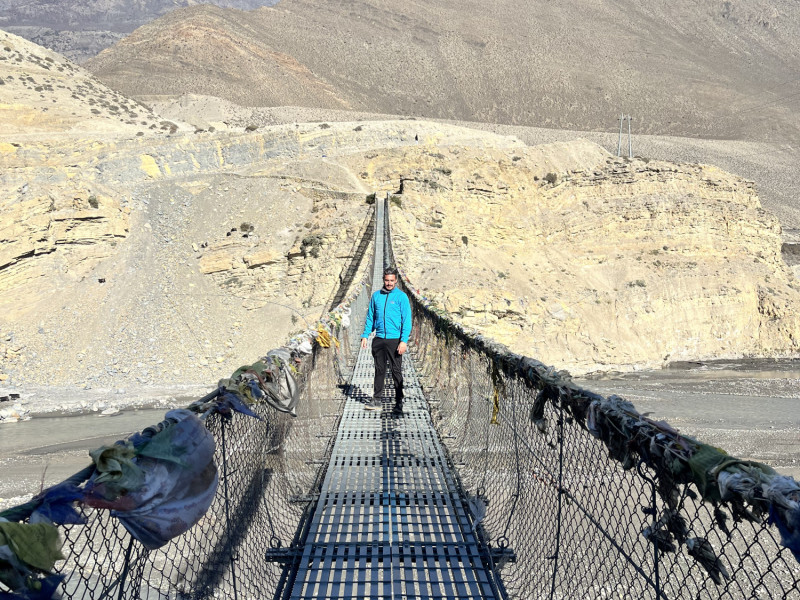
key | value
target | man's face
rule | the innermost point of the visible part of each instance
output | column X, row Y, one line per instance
column 389, row 282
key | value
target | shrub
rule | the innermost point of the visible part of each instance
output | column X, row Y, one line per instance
column 311, row 245
column 168, row 125
column 551, row 178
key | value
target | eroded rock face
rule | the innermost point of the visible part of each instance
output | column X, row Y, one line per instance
column 50, row 236
column 157, row 259
column 609, row 265
column 203, row 252
column 285, row 259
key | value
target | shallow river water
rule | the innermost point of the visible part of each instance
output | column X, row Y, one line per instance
column 749, row 408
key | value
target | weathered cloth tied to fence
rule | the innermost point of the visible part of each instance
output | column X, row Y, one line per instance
column 26, row 551
column 270, row 380
column 179, row 479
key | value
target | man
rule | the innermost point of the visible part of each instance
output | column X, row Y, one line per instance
column 389, row 315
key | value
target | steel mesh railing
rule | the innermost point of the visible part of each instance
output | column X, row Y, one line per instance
column 582, row 516
column 267, row 470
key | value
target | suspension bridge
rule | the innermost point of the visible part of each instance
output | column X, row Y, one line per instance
column 501, row 479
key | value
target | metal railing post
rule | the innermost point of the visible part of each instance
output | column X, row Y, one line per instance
column 560, row 500
column 227, row 506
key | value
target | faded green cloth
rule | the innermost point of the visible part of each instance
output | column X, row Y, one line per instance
column 707, row 462
column 37, row 545
column 116, row 467
column 164, row 447
column 259, row 367
column 705, row 459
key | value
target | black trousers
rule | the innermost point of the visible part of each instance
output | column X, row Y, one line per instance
column 384, row 350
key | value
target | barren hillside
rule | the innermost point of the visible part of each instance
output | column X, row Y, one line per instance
column 43, row 94
column 79, row 29
column 687, row 67
column 179, row 254
column 594, row 262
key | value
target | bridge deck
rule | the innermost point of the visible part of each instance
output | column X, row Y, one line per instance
column 390, row 522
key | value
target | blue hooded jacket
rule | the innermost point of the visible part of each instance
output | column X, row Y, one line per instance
column 389, row 315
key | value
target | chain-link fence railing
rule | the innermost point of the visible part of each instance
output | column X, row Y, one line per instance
column 590, row 498
column 266, row 470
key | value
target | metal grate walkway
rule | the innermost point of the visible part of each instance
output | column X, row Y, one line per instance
column 390, row 521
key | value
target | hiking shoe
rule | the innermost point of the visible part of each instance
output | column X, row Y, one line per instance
column 373, row 405
column 397, row 410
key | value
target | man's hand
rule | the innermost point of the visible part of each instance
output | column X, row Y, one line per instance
column 401, row 348
column 363, row 342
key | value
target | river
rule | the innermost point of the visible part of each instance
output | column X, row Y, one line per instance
column 750, row 408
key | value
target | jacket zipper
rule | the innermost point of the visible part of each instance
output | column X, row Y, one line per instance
column 385, row 328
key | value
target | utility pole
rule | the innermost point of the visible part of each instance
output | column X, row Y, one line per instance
column 619, row 141
column 630, row 142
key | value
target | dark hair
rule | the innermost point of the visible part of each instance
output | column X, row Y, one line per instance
column 391, row 271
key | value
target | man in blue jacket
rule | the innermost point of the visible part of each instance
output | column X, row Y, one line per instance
column 389, row 315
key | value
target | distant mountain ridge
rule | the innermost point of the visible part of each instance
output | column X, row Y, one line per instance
column 686, row 67
column 79, row 29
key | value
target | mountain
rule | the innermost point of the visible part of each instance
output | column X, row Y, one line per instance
column 79, row 29
column 214, row 52
column 42, row 94
column 681, row 67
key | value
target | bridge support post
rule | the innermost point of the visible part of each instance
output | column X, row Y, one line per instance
column 227, row 507
column 555, row 555
column 656, row 583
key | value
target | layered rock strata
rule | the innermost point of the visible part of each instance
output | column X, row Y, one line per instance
column 618, row 264
column 178, row 258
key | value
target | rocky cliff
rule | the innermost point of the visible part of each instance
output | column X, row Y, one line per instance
column 151, row 258
column 177, row 255
column 611, row 265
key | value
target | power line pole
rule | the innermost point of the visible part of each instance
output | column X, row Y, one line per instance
column 619, row 141
column 630, row 142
